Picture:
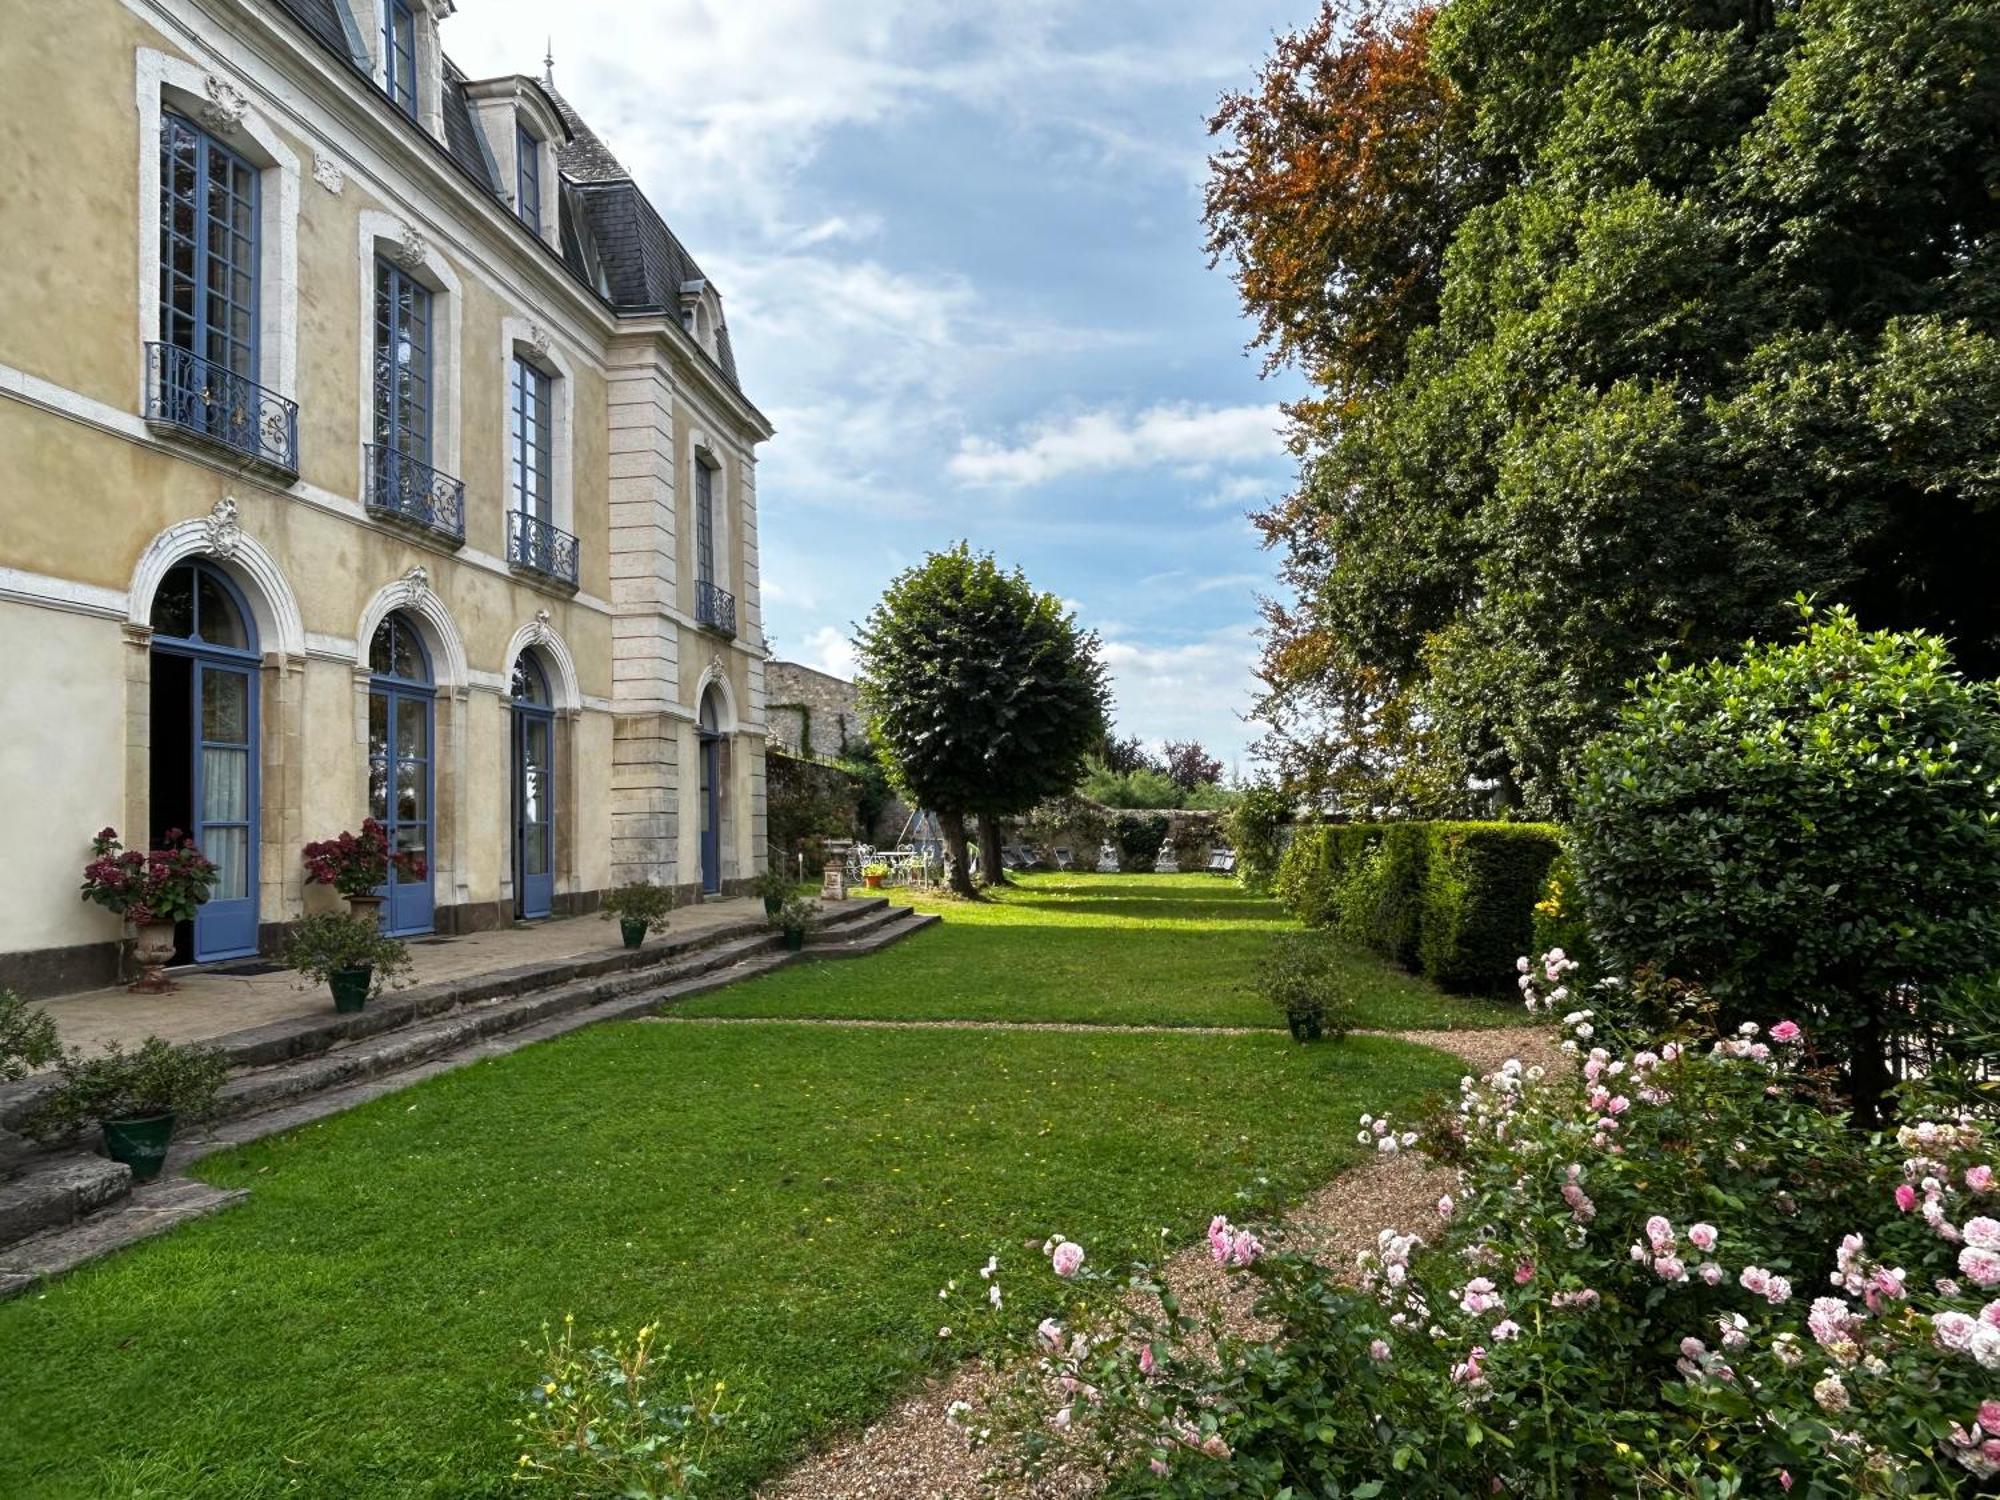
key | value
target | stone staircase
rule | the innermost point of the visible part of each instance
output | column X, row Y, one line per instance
column 61, row 1208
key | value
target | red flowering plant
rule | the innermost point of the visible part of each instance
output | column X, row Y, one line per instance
column 356, row 864
column 154, row 885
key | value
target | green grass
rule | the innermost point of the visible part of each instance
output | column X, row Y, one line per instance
column 1150, row 950
column 786, row 1200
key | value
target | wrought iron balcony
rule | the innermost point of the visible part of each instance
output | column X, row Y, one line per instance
column 198, row 398
column 536, row 546
column 714, row 608
column 402, row 489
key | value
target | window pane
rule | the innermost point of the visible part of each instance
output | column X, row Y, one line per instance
column 225, row 786
column 378, row 789
column 221, row 623
column 173, row 606
column 229, row 848
column 225, row 707
column 413, row 791
column 413, row 728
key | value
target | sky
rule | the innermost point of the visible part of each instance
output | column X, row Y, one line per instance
column 960, row 254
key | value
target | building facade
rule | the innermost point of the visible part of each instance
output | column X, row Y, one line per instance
column 372, row 448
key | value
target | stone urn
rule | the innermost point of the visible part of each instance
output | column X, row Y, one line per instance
column 153, row 950
column 369, row 906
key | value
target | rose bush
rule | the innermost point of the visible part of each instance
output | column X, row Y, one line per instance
column 1670, row 1270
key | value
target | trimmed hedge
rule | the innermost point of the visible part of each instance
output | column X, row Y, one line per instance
column 1453, row 901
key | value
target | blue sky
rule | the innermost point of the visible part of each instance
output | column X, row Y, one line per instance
column 960, row 252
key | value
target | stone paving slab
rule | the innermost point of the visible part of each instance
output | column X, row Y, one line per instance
column 153, row 1208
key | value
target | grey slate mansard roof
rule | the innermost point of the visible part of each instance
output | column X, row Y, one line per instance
column 613, row 240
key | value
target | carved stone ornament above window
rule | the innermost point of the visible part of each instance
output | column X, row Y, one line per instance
column 410, row 251
column 540, row 629
column 538, row 340
column 327, row 172
column 415, row 585
column 224, row 106
column 221, row 529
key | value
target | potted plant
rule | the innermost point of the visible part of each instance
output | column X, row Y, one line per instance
column 347, row 953
column 873, row 874
column 640, row 908
column 152, row 890
column 794, row 919
column 1297, row 976
column 357, row 866
column 774, row 888
column 137, row 1098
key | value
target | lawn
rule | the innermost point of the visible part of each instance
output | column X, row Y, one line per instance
column 1149, row 950
column 784, row 1199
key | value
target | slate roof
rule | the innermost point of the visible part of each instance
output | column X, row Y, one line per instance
column 612, row 240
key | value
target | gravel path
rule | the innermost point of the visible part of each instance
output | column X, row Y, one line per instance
column 915, row 1452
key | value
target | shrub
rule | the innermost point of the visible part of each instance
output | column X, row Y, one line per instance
column 1480, row 885
column 27, row 1038
column 640, row 901
column 159, row 1078
column 1453, row 901
column 357, row 864
column 327, row 942
column 1671, row 1272
column 1140, row 836
column 1817, row 825
column 1256, row 829
column 794, row 917
column 601, row 1421
column 1299, row 977
column 168, row 884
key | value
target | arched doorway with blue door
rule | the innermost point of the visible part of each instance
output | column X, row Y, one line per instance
column 402, row 778
column 712, row 752
column 203, row 748
column 533, row 733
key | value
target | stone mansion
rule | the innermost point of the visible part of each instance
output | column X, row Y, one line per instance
column 371, row 447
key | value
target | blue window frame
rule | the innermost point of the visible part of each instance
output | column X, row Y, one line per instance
column 402, row 363
column 534, row 730
column 204, row 774
column 528, row 178
column 399, row 56
column 533, row 441
column 401, row 778
column 208, row 248
column 704, row 521
column 709, row 742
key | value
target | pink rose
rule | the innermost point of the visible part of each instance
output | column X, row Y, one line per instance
column 1146, row 1360
column 1786, row 1031
column 1067, row 1259
column 1989, row 1415
column 1979, row 1179
column 1378, row 1350
column 1906, row 1197
column 1050, row 1332
column 1524, row 1273
column 1979, row 1266
column 1702, row 1237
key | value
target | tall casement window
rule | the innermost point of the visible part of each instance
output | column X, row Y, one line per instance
column 399, row 55
column 208, row 249
column 528, row 178
column 534, row 731
column 402, row 364
column 400, row 777
column 704, row 523
column 533, row 441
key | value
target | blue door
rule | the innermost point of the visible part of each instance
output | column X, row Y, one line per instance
column 401, row 775
column 205, row 747
column 709, row 741
column 534, row 785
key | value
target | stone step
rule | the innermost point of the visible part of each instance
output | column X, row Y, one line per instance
column 151, row 1208
column 59, row 1190
column 855, row 927
column 882, row 936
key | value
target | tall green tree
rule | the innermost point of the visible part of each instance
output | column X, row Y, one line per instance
column 982, row 695
column 1716, row 323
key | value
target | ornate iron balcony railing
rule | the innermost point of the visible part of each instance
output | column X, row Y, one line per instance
column 714, row 608
column 196, row 396
column 400, row 488
column 535, row 545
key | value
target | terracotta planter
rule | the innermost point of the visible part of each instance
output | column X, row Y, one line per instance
column 141, row 1143
column 153, row 949
column 366, row 906
column 873, row 882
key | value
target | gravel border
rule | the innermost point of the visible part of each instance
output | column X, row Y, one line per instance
column 915, row 1451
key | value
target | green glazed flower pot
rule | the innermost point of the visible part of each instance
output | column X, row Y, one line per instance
column 634, row 932
column 794, row 941
column 141, row 1143
column 1304, row 1027
column 350, row 988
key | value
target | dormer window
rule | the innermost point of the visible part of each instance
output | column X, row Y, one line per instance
column 528, row 179
column 399, row 55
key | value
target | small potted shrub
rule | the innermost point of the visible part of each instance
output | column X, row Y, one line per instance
column 1296, row 976
column 347, row 953
column 774, row 887
column 794, row 919
column 640, row 908
column 28, row 1038
column 357, row 866
column 152, row 890
column 137, row 1098
column 872, row 875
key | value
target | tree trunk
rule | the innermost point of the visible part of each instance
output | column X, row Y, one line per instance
column 955, row 854
column 1868, row 1072
column 991, row 871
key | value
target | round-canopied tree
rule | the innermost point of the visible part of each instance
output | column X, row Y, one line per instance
column 1813, row 830
column 982, row 694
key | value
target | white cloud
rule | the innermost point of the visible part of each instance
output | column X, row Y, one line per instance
column 1237, row 581
column 1181, row 435
column 1198, row 689
column 1239, row 493
column 829, row 650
